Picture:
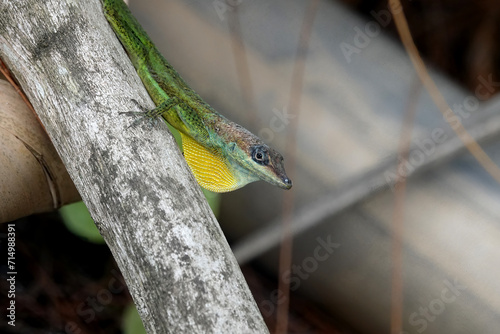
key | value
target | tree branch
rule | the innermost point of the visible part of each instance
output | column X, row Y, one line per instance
column 482, row 129
column 146, row 204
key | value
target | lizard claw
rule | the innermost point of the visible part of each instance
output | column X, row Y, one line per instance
column 143, row 114
column 140, row 106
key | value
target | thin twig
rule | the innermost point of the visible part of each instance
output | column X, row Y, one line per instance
column 242, row 64
column 398, row 213
column 285, row 260
column 5, row 71
column 469, row 142
column 483, row 127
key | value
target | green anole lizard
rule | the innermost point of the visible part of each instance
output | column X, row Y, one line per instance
column 222, row 155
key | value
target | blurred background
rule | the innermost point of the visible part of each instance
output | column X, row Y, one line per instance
column 365, row 250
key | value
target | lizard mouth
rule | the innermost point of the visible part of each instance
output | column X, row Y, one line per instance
column 282, row 181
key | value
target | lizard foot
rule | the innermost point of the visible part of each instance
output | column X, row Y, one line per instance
column 144, row 114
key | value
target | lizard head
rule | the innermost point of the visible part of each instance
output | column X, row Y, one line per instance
column 239, row 158
column 252, row 160
column 255, row 160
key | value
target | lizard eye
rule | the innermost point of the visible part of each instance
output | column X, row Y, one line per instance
column 260, row 155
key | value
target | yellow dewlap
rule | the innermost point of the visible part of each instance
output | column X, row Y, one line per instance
column 208, row 167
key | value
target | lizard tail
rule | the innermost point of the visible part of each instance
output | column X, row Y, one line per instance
column 134, row 39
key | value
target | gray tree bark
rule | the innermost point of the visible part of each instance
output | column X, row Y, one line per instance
column 176, row 261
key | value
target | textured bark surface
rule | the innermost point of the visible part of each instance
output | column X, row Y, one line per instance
column 173, row 255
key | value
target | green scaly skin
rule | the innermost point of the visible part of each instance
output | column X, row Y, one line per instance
column 247, row 156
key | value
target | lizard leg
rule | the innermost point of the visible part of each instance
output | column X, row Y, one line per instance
column 151, row 114
column 163, row 108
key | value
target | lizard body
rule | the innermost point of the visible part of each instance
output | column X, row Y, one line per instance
column 222, row 155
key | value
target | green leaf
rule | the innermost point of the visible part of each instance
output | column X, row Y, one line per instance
column 77, row 219
column 132, row 323
column 213, row 200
